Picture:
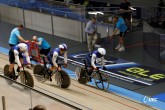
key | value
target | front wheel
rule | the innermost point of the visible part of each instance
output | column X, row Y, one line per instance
column 101, row 81
column 26, row 78
column 62, row 79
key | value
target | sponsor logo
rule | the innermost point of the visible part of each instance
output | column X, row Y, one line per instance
column 142, row 74
column 148, row 99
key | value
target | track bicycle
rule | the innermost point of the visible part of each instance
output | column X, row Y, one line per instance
column 25, row 77
column 43, row 73
column 100, row 79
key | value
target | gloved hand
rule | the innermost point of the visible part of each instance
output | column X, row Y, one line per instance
column 21, row 68
column 65, row 65
column 59, row 68
column 104, row 68
column 96, row 68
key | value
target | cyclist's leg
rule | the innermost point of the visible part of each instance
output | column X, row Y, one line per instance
column 51, row 63
column 50, row 60
column 21, row 58
column 12, row 62
column 88, row 59
column 21, row 61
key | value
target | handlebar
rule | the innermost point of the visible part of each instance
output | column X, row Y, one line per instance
column 61, row 64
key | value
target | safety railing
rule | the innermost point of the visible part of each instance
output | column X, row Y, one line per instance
column 22, row 97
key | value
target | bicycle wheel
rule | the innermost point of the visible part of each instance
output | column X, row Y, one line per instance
column 26, row 78
column 40, row 73
column 63, row 79
column 82, row 79
column 101, row 81
column 6, row 73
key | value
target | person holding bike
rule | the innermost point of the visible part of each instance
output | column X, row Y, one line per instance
column 15, row 54
column 45, row 46
column 15, row 36
column 92, row 56
column 54, row 54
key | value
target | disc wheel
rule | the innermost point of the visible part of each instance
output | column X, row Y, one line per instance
column 26, row 78
column 6, row 73
column 62, row 79
column 40, row 73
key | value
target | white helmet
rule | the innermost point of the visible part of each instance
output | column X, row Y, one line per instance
column 63, row 46
column 102, row 51
column 23, row 46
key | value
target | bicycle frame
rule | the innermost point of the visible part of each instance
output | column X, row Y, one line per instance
column 54, row 71
column 19, row 73
column 100, row 79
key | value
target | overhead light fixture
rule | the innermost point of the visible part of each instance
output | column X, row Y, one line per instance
column 96, row 12
column 132, row 8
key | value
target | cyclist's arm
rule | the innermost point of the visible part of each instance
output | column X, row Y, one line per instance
column 55, row 55
column 27, row 57
column 93, row 59
column 102, row 61
column 65, row 57
column 16, row 55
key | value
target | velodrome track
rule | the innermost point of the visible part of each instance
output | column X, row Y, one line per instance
column 82, row 96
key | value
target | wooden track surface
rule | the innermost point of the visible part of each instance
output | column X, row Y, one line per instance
column 82, row 96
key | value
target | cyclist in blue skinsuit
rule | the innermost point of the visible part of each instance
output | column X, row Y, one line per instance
column 53, row 56
column 92, row 56
column 15, row 54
